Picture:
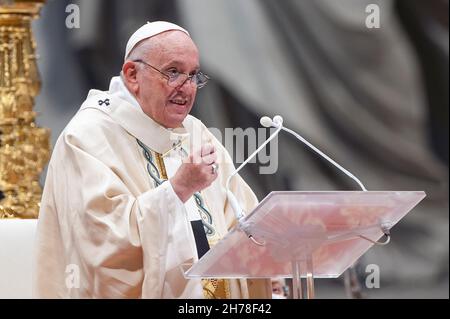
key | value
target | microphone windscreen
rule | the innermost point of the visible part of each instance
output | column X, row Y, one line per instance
column 278, row 120
column 266, row 121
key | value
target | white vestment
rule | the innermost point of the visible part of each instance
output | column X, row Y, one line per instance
column 110, row 225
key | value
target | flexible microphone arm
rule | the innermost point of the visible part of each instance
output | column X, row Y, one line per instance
column 238, row 211
column 278, row 123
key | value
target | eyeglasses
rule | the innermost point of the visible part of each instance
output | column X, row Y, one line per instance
column 177, row 79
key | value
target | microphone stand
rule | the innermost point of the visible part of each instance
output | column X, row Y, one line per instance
column 352, row 284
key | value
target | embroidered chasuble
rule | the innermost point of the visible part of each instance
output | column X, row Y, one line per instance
column 212, row 288
column 110, row 223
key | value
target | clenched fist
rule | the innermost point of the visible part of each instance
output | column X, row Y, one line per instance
column 196, row 173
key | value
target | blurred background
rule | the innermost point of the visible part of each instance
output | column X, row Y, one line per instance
column 374, row 99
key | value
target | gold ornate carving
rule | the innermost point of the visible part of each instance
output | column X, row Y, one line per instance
column 24, row 147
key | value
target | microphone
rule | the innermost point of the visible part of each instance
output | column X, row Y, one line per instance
column 278, row 123
column 266, row 122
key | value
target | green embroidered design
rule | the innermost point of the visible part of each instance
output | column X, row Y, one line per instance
column 151, row 167
column 156, row 176
column 204, row 214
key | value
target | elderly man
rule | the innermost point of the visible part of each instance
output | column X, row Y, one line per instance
column 127, row 186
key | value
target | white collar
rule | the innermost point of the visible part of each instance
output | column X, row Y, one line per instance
column 118, row 88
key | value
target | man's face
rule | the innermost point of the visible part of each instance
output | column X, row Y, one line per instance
column 168, row 105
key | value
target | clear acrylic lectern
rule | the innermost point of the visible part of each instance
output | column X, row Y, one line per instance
column 305, row 235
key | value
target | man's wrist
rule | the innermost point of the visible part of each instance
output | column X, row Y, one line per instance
column 182, row 191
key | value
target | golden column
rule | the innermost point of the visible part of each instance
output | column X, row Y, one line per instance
column 24, row 147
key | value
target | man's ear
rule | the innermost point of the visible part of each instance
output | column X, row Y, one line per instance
column 129, row 72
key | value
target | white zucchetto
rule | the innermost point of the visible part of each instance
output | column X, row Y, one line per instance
column 149, row 30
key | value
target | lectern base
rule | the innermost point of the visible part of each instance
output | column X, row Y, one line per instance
column 297, row 279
